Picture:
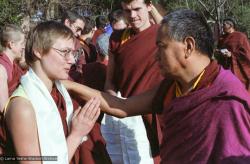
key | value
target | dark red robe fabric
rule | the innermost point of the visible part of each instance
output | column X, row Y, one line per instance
column 136, row 70
column 90, row 51
column 93, row 151
column 14, row 73
column 210, row 125
column 86, row 53
column 76, row 69
column 59, row 100
column 94, row 75
column 238, row 44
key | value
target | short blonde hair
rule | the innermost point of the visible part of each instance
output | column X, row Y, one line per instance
column 43, row 36
column 10, row 32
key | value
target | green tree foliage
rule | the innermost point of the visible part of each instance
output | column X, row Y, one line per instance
column 10, row 11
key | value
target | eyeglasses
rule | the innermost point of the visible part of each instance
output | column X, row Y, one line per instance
column 65, row 53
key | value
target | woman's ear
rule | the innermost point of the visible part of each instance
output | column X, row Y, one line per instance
column 190, row 46
column 37, row 54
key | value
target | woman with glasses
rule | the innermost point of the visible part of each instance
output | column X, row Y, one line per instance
column 39, row 119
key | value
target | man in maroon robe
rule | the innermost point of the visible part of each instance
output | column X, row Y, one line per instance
column 204, row 109
column 75, row 23
column 235, row 47
column 132, row 67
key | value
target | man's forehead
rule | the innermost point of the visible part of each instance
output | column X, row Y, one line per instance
column 79, row 23
column 133, row 4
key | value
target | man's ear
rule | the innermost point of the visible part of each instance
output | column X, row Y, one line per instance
column 67, row 22
column 190, row 46
column 10, row 44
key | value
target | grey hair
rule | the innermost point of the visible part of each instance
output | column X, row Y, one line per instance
column 184, row 23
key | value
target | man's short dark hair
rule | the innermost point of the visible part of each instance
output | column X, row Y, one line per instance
column 116, row 16
column 101, row 21
column 128, row 1
column 89, row 25
column 184, row 23
column 230, row 21
column 72, row 16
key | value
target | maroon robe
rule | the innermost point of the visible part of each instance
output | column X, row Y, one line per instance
column 93, row 151
column 237, row 43
column 14, row 73
column 94, row 75
column 209, row 125
column 90, row 51
column 76, row 69
column 136, row 70
column 61, row 106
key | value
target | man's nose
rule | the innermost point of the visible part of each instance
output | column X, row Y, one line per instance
column 133, row 14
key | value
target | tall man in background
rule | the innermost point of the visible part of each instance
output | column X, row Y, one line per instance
column 132, row 66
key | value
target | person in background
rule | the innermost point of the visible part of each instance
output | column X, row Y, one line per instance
column 39, row 120
column 118, row 20
column 204, row 109
column 92, row 151
column 101, row 23
column 125, row 143
column 75, row 23
column 234, row 46
column 12, row 41
column 86, row 40
column 132, row 66
column 12, row 46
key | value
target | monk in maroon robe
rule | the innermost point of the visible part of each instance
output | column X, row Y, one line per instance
column 132, row 67
column 136, row 71
column 204, row 109
column 238, row 47
column 204, row 133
